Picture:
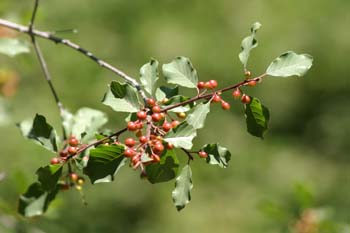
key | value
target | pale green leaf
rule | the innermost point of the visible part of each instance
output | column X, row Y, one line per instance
column 149, row 76
column 289, row 64
column 181, row 136
column 181, row 72
column 39, row 131
column 36, row 200
column 198, row 116
column 13, row 47
column 166, row 92
column 248, row 44
column 183, row 186
column 217, row 155
column 122, row 97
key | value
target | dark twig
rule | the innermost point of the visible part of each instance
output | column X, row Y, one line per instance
column 57, row 40
column 209, row 95
column 43, row 63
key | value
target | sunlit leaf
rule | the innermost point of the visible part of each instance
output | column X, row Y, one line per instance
column 13, row 47
column 181, row 72
column 39, row 131
column 183, row 186
column 217, row 155
column 248, row 44
column 84, row 124
column 289, row 64
column 149, row 76
column 198, row 116
column 181, row 136
column 122, row 97
column 36, row 200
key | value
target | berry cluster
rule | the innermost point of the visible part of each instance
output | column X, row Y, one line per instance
column 71, row 149
column 216, row 96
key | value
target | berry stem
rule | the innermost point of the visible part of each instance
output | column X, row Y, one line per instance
column 209, row 95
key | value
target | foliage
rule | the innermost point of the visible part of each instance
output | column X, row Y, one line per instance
column 158, row 122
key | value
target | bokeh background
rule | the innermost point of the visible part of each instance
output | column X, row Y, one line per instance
column 300, row 173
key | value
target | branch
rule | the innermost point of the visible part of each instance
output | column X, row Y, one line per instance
column 43, row 63
column 209, row 95
column 68, row 43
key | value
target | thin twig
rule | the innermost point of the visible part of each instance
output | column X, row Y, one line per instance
column 209, row 95
column 43, row 63
column 66, row 42
column 190, row 157
column 31, row 25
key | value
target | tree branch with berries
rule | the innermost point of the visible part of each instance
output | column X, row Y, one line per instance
column 160, row 126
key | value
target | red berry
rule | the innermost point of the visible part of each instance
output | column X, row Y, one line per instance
column 202, row 154
column 207, row 85
column 135, row 159
column 55, row 160
column 252, row 83
column 174, row 124
column 139, row 125
column 72, row 150
column 156, row 117
column 236, row 93
column 74, row 176
column 132, row 126
column 73, row 141
column 245, row 99
column 63, row 154
column 200, row 85
column 141, row 115
column 158, row 147
column 156, row 109
column 216, row 98
column 155, row 158
column 129, row 152
column 225, row 105
column 130, row 142
column 170, row 146
column 166, row 126
column 143, row 139
column 213, row 83
column 151, row 102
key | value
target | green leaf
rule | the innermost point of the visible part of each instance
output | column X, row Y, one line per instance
column 48, row 176
column 183, row 186
column 181, row 136
column 13, row 47
column 179, row 99
column 165, row 170
column 84, row 124
column 248, row 44
column 289, row 64
column 39, row 131
column 217, row 155
column 104, row 163
column 149, row 76
column 198, row 116
column 257, row 118
column 166, row 92
column 36, row 200
column 122, row 97
column 181, row 72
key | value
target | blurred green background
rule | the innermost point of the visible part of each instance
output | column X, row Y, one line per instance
column 303, row 163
